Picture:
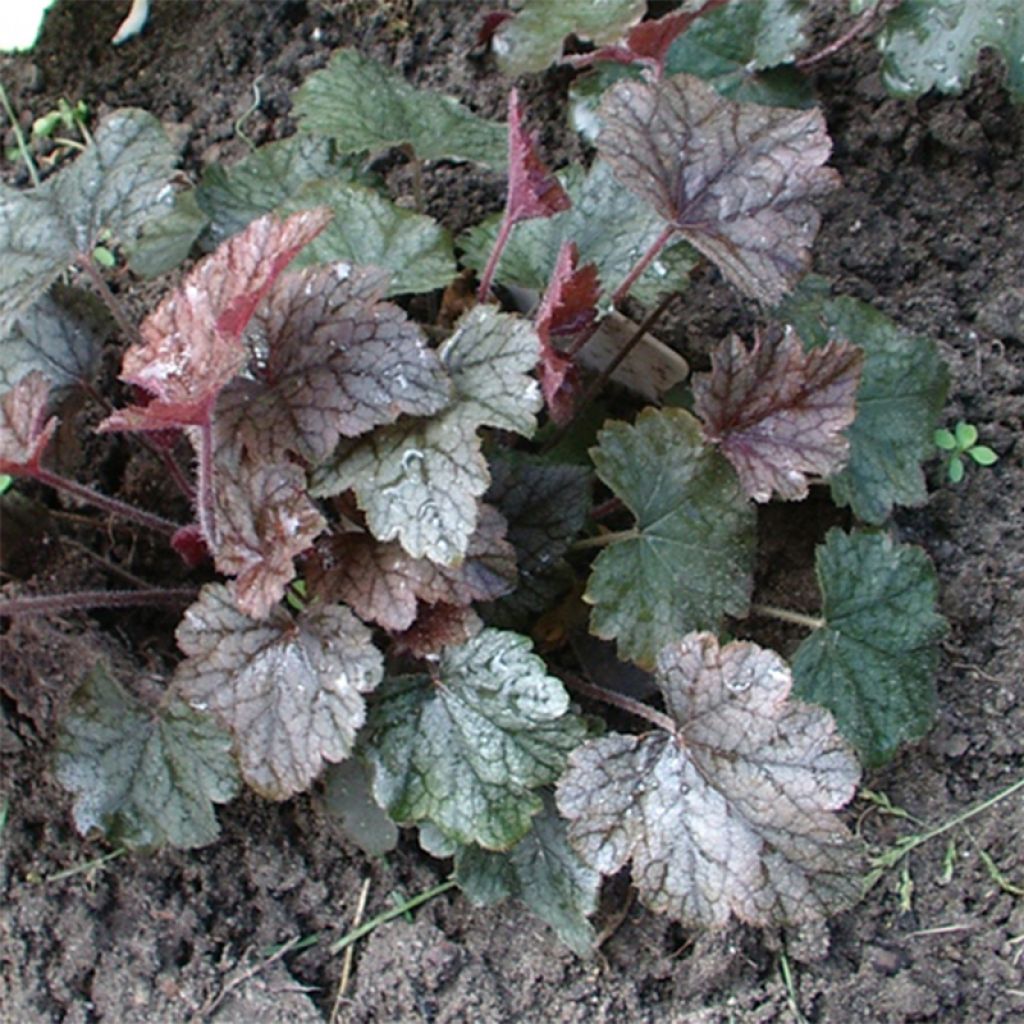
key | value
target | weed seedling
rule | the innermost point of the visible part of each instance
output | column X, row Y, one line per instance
column 959, row 442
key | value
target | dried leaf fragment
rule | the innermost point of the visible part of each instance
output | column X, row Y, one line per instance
column 289, row 688
column 735, row 180
column 778, row 413
column 733, row 813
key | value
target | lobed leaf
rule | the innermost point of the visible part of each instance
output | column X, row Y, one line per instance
column 730, row 814
column 328, row 359
column 899, row 401
column 264, row 520
column 741, row 48
column 419, row 481
column 533, row 191
column 532, row 38
column 381, row 583
column 778, row 413
column 115, row 186
column 192, row 344
column 934, row 44
column 363, row 105
column 369, row 230
column 689, row 561
column 467, row 749
column 873, row 663
column 289, row 688
column 143, row 777
column 542, row 871
column 25, row 430
column 735, row 180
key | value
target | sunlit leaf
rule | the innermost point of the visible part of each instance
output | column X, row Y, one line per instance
column 873, row 663
column 143, row 776
column 731, row 813
column 290, row 689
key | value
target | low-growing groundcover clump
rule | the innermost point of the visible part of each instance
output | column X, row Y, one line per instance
column 386, row 524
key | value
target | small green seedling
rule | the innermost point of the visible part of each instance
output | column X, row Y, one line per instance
column 960, row 441
column 65, row 116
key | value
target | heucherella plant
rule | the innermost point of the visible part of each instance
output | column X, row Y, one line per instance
column 393, row 527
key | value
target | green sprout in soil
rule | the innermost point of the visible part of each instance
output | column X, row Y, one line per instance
column 960, row 444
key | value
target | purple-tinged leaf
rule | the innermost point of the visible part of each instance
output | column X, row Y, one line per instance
column 24, row 429
column 328, row 359
column 533, row 191
column 569, row 306
column 438, row 626
column 192, row 344
column 382, row 583
column 778, row 413
column 732, row 812
column 735, row 180
column 264, row 519
column 289, row 689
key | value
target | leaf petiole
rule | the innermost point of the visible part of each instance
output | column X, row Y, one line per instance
column 785, row 615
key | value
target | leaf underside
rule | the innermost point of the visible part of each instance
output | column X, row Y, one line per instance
column 873, row 664
column 731, row 815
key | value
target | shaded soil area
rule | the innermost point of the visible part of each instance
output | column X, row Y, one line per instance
column 929, row 227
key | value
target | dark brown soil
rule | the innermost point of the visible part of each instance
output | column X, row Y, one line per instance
column 930, row 228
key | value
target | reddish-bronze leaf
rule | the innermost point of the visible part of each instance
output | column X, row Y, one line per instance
column 382, row 583
column 24, row 429
column 192, row 344
column 438, row 626
column 265, row 519
column 736, row 180
column 533, row 191
column 328, row 359
column 778, row 412
column 569, row 306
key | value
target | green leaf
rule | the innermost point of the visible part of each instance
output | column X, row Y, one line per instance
column 945, row 440
column 349, row 800
column 233, row 197
column 738, row 49
column 370, row 230
column 165, row 243
column 966, row 435
column 60, row 335
column 729, row 810
column 956, row 469
column 691, row 560
column 115, row 185
column 144, row 777
column 900, row 399
column 544, row 872
column 983, row 455
column 532, row 38
column 611, row 227
column 465, row 750
column 419, row 480
column 934, row 44
column 363, row 105
column 289, row 687
column 873, row 664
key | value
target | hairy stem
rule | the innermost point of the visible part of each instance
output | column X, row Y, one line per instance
column 641, row 264
column 504, row 233
column 798, row 618
column 19, row 138
column 88, row 265
column 51, row 604
column 205, row 502
column 620, row 701
column 862, row 25
column 103, row 501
